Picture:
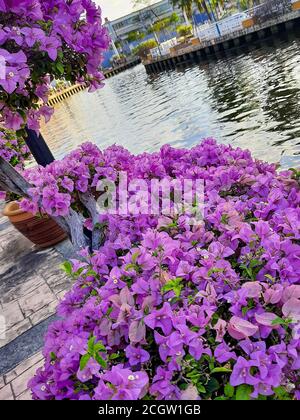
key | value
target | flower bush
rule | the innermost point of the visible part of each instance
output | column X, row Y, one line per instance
column 15, row 151
column 40, row 41
column 165, row 310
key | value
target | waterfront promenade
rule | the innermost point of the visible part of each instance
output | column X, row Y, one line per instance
column 32, row 284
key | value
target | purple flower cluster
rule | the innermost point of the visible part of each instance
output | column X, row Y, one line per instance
column 61, row 38
column 165, row 310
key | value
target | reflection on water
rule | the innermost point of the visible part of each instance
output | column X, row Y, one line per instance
column 251, row 100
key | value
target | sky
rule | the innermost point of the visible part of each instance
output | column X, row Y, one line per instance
column 114, row 9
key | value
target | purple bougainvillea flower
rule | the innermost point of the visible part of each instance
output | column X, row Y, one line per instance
column 184, row 269
column 249, row 346
column 161, row 318
column 50, row 45
column 127, row 384
column 223, row 353
column 265, row 318
column 239, row 328
column 291, row 309
column 11, row 80
column 136, row 355
column 253, row 289
column 13, row 121
column 273, row 294
column 241, row 372
column 220, row 328
column 91, row 369
column 291, row 292
column 33, row 35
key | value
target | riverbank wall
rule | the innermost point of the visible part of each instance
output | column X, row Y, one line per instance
column 220, row 45
column 119, row 69
column 63, row 94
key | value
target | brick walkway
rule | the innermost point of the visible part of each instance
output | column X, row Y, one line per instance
column 31, row 285
column 13, row 385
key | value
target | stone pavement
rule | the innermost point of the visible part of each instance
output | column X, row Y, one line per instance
column 31, row 285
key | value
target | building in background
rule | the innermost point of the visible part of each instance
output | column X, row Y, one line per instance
column 141, row 22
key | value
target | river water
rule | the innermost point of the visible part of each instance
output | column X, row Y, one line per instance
column 250, row 99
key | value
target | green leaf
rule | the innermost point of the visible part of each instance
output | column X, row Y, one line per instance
column 212, row 386
column 67, row 267
column 109, row 311
column 201, row 388
column 174, row 285
column 84, row 360
column 245, row 309
column 52, row 356
column 130, row 267
column 91, row 273
column 225, row 219
column 60, row 68
column 99, row 347
column 229, row 390
column 243, row 392
column 278, row 321
column 211, row 363
column 221, row 370
column 281, row 393
column 254, row 263
column 100, row 360
column 114, row 356
column 91, row 343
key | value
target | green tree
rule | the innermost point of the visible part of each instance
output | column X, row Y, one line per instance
column 187, row 8
column 135, row 36
column 207, row 6
column 144, row 48
column 185, row 30
column 174, row 18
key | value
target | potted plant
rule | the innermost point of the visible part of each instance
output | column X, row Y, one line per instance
column 39, row 229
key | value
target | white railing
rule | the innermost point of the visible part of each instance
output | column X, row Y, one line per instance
column 259, row 14
column 222, row 27
column 164, row 48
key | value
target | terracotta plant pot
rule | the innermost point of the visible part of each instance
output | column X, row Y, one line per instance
column 42, row 231
column 296, row 5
